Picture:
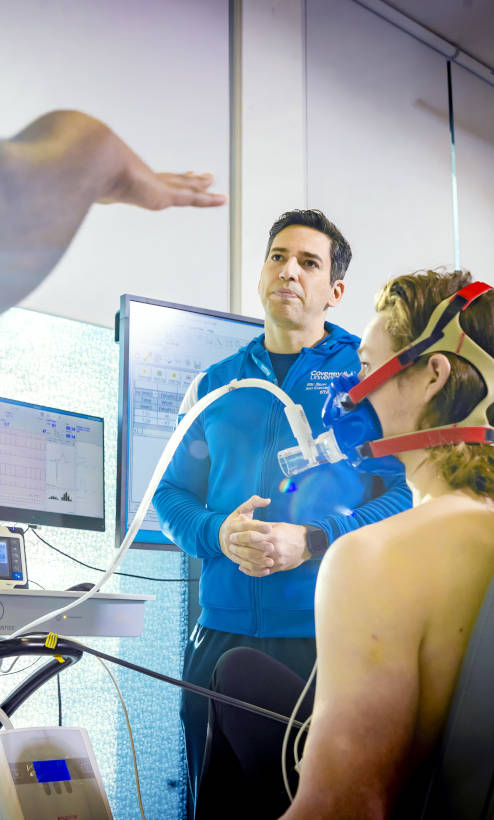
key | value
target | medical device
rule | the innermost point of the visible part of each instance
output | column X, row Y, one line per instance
column 46, row 772
column 162, row 348
column 51, row 466
column 355, row 431
column 13, row 569
column 50, row 773
column 107, row 614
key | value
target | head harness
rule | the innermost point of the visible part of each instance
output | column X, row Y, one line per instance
column 443, row 334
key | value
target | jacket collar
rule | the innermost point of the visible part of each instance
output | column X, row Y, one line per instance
column 336, row 340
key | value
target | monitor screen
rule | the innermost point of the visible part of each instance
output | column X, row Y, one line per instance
column 162, row 347
column 51, row 467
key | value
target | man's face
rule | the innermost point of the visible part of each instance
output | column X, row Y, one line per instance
column 294, row 286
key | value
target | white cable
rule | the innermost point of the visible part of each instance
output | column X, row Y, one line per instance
column 9, row 670
column 164, row 460
column 4, row 718
column 304, row 728
column 136, row 771
column 289, row 729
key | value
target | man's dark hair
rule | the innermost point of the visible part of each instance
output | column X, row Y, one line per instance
column 340, row 252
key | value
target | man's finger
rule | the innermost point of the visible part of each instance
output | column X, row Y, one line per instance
column 247, row 538
column 257, row 552
column 254, row 573
column 245, row 524
column 190, row 195
column 141, row 186
column 184, row 198
column 252, row 557
column 190, row 180
column 252, row 503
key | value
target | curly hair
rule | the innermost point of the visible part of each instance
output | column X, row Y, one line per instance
column 409, row 302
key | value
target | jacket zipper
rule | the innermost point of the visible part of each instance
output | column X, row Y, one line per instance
column 271, row 427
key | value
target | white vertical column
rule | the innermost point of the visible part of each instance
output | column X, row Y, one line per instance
column 269, row 137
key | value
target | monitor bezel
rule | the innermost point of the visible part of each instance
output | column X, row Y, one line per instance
column 156, row 538
column 23, row 515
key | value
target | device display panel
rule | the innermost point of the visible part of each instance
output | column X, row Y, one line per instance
column 51, row 466
column 162, row 347
column 4, row 559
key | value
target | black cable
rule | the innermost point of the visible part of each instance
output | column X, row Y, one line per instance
column 191, row 687
column 37, row 584
column 59, row 698
column 98, row 569
column 24, row 668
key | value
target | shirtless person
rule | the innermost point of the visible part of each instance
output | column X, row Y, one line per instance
column 396, row 601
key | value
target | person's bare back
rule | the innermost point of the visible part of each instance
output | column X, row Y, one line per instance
column 455, row 535
column 395, row 606
column 396, row 601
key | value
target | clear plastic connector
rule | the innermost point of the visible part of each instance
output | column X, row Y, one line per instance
column 324, row 450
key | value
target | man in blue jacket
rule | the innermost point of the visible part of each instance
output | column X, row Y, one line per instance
column 222, row 496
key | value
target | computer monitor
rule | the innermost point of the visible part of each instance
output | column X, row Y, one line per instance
column 51, row 467
column 162, row 347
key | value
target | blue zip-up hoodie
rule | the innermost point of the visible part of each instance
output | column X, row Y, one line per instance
column 230, row 453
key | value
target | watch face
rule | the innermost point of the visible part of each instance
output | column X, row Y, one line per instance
column 317, row 541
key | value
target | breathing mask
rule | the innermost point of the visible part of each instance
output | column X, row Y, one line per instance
column 355, row 432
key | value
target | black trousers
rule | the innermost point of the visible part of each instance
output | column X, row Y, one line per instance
column 204, row 649
column 242, row 774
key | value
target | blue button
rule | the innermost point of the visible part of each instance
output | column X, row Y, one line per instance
column 17, row 576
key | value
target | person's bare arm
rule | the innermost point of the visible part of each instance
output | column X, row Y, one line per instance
column 50, row 175
column 369, row 624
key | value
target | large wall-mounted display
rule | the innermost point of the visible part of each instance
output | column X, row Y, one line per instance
column 162, row 347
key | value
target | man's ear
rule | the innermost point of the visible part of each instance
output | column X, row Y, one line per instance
column 336, row 292
column 437, row 372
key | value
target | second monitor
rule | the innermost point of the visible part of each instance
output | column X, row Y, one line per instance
column 51, row 466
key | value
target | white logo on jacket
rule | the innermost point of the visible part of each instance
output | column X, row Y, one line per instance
column 319, row 379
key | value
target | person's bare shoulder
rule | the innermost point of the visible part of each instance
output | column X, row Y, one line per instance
column 417, row 558
column 453, row 523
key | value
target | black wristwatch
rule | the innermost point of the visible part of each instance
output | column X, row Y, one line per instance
column 317, row 541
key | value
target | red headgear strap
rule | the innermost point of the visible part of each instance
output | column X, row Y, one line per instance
column 433, row 339
column 421, row 439
column 409, row 355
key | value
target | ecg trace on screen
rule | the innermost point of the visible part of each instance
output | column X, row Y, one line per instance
column 50, row 461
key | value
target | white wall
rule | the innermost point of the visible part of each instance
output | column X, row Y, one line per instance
column 379, row 161
column 157, row 72
column 356, row 124
column 273, row 140
column 366, row 139
column 474, row 125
